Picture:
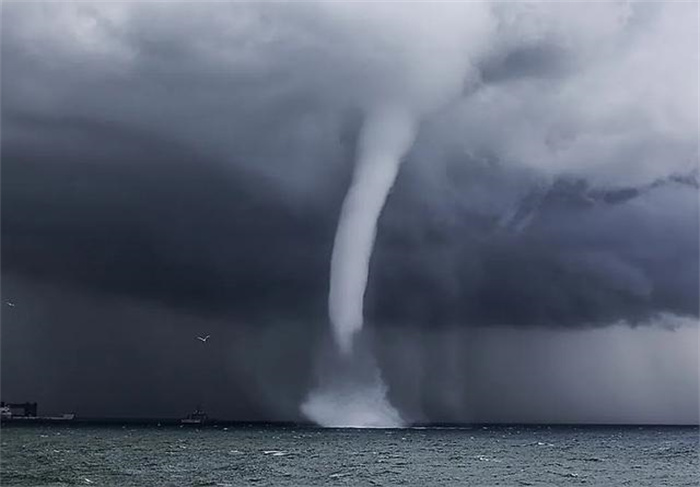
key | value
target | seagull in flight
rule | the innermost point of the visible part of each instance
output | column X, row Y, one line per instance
column 203, row 339
column 10, row 304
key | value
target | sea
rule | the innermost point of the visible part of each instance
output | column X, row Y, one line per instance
column 260, row 455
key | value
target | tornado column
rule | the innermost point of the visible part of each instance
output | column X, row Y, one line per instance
column 386, row 136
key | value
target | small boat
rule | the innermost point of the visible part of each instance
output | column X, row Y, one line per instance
column 197, row 417
column 5, row 412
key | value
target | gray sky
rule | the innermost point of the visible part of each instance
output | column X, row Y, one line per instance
column 177, row 169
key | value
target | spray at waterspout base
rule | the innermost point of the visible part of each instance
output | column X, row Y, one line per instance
column 350, row 391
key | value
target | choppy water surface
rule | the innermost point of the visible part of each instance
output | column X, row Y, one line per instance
column 168, row 456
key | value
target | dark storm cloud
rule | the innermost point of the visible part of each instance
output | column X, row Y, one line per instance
column 161, row 223
column 188, row 232
column 138, row 163
column 569, row 261
column 192, row 160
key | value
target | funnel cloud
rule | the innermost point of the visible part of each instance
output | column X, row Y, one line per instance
column 385, row 138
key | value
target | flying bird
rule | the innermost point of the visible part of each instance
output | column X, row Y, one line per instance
column 10, row 304
column 203, row 339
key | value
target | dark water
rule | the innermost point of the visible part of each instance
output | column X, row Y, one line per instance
column 153, row 456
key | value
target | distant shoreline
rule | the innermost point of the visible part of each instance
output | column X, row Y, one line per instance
column 214, row 423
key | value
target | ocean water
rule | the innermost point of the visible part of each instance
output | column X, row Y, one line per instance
column 303, row 456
